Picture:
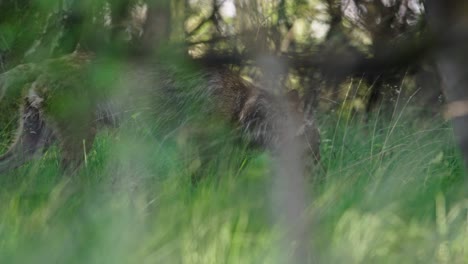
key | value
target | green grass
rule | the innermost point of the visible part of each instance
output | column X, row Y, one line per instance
column 386, row 192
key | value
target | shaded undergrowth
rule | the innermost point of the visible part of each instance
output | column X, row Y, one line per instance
column 385, row 191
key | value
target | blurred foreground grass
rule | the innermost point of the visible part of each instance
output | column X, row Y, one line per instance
column 386, row 192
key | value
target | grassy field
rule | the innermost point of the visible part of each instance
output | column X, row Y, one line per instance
column 386, row 192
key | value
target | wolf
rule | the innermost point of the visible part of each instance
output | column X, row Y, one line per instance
column 60, row 103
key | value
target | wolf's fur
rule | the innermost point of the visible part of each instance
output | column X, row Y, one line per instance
column 44, row 118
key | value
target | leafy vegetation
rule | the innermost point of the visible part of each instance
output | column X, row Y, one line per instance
column 390, row 184
column 387, row 192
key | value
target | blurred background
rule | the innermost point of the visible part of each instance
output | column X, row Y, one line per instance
column 376, row 75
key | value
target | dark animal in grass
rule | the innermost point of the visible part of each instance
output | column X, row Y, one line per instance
column 66, row 100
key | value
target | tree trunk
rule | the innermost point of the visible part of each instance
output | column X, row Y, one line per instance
column 448, row 21
column 157, row 27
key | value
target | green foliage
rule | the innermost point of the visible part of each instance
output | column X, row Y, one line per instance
column 394, row 195
column 386, row 191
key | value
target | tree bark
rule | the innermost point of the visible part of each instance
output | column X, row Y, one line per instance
column 157, row 27
column 448, row 20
